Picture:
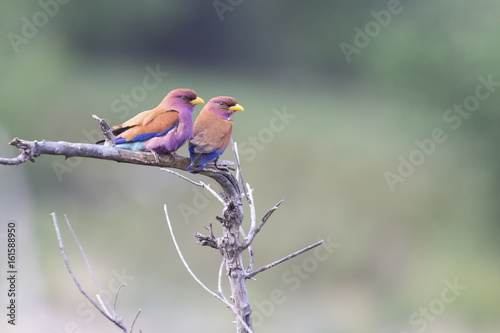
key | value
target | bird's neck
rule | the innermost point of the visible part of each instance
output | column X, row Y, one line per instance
column 186, row 116
column 185, row 126
column 221, row 114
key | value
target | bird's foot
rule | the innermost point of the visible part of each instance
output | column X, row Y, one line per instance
column 157, row 157
column 221, row 168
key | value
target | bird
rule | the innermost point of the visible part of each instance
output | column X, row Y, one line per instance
column 163, row 129
column 212, row 132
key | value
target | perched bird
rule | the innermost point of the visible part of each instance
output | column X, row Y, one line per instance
column 212, row 131
column 163, row 129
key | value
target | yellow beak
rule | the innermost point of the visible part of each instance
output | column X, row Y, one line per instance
column 198, row 100
column 236, row 107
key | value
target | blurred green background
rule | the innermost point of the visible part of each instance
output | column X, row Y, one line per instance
column 320, row 130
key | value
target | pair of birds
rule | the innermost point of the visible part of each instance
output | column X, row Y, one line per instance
column 167, row 127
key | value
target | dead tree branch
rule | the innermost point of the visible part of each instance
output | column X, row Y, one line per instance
column 102, row 309
column 109, row 137
column 30, row 150
column 228, row 244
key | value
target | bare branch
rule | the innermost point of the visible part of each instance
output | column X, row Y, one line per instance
column 206, row 240
column 219, row 281
column 200, row 183
column 254, row 231
column 29, row 150
column 277, row 262
column 25, row 154
column 250, row 252
column 109, row 137
column 252, row 259
column 184, row 260
column 229, row 244
column 70, row 270
column 135, row 319
column 116, row 296
column 211, row 229
column 108, row 305
column 239, row 175
column 209, row 240
column 104, row 307
column 251, row 203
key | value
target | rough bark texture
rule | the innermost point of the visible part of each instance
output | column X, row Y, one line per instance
column 231, row 250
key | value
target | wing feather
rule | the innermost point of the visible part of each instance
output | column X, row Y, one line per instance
column 211, row 134
column 147, row 124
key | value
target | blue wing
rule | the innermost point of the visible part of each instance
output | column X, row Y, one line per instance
column 143, row 136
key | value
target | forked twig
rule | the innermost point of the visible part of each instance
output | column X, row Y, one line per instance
column 255, row 230
column 277, row 262
column 70, row 270
column 108, row 305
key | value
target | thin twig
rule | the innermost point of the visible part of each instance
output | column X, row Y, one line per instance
column 250, row 252
column 254, row 231
column 116, row 296
column 200, row 183
column 219, row 281
column 239, row 175
column 277, row 262
column 89, row 267
column 251, row 203
column 182, row 257
column 104, row 307
column 251, row 261
column 135, row 319
column 70, row 270
column 223, row 300
column 211, row 229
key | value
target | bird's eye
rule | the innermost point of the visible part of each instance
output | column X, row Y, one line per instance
column 222, row 103
column 184, row 98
